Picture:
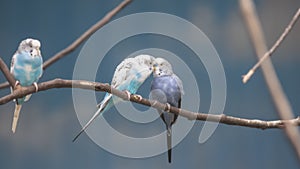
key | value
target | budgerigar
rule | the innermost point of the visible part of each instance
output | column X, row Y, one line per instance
column 27, row 68
column 129, row 75
column 166, row 88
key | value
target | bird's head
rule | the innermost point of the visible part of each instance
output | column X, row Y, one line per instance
column 31, row 46
column 145, row 63
column 145, row 60
column 162, row 67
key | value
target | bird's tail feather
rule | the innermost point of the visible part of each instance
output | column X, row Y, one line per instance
column 16, row 117
column 87, row 124
column 27, row 97
column 104, row 102
column 169, row 143
column 101, row 106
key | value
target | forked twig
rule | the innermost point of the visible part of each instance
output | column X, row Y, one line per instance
column 279, row 98
column 273, row 48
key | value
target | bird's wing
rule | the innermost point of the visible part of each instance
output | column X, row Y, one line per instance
column 179, row 83
column 122, row 72
column 12, row 63
column 41, row 73
column 104, row 102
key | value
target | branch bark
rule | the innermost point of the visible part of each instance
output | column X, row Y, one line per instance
column 87, row 85
column 273, row 48
column 279, row 98
column 11, row 80
column 81, row 39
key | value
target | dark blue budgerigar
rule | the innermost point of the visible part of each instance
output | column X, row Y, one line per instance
column 27, row 68
column 166, row 88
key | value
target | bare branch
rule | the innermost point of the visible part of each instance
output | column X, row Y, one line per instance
column 7, row 73
column 274, row 47
column 87, row 85
column 4, row 85
column 86, row 34
column 81, row 39
column 279, row 98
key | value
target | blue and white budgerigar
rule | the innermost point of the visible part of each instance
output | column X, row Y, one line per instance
column 27, row 68
column 166, row 88
column 129, row 75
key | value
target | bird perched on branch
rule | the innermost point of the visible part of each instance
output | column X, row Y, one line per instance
column 166, row 88
column 129, row 75
column 27, row 68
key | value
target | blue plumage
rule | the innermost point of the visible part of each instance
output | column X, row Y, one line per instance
column 169, row 86
column 129, row 75
column 166, row 88
column 27, row 68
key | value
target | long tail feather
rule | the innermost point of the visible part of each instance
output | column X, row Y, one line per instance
column 101, row 106
column 105, row 101
column 87, row 124
column 169, row 143
column 16, row 117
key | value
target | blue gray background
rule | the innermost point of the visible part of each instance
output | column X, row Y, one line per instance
column 48, row 121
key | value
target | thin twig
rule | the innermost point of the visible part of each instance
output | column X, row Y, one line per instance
column 279, row 98
column 7, row 73
column 274, row 47
column 81, row 39
column 87, row 85
column 4, row 85
column 86, row 34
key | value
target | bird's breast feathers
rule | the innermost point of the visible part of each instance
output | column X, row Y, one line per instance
column 165, row 82
column 25, row 58
column 27, row 69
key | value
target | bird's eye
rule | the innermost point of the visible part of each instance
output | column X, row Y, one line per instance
column 150, row 63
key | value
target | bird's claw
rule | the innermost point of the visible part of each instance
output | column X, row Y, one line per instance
column 138, row 97
column 128, row 94
column 168, row 107
column 17, row 84
column 36, row 87
column 98, row 105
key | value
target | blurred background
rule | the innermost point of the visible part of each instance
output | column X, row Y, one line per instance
column 48, row 121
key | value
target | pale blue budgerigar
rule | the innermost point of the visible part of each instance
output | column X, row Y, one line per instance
column 166, row 88
column 27, row 68
column 129, row 75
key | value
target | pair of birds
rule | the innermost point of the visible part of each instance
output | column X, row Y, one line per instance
column 166, row 87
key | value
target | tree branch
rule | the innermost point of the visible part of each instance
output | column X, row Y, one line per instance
column 11, row 80
column 60, row 83
column 87, row 85
column 274, row 47
column 81, row 39
column 279, row 98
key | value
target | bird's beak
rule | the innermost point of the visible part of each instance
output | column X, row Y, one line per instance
column 154, row 67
